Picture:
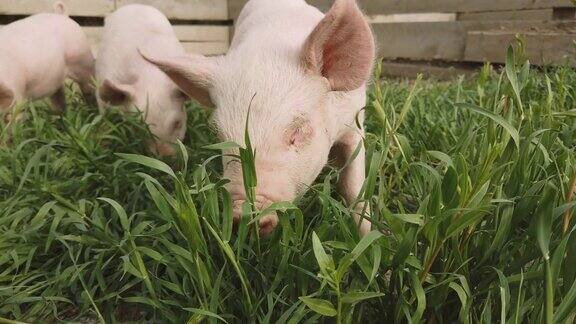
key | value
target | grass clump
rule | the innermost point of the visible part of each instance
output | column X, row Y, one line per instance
column 469, row 184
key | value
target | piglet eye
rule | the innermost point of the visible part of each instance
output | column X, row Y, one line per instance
column 180, row 95
column 299, row 133
column 177, row 124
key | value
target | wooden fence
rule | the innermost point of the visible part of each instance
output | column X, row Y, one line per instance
column 407, row 31
column 482, row 30
column 430, row 35
column 201, row 25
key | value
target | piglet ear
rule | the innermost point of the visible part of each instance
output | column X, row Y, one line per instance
column 60, row 8
column 341, row 47
column 192, row 73
column 115, row 94
column 6, row 98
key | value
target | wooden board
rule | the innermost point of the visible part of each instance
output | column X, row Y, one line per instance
column 541, row 47
column 74, row 7
column 518, row 25
column 421, row 17
column 185, row 9
column 447, row 40
column 530, row 14
column 206, row 48
column 183, row 32
column 428, row 41
column 234, row 8
column 375, row 7
column 207, row 40
column 202, row 33
column 410, row 70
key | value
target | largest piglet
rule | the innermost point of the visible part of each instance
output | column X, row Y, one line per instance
column 307, row 74
column 37, row 54
column 130, row 81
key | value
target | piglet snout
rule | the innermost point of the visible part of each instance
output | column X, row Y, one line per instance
column 163, row 148
column 266, row 224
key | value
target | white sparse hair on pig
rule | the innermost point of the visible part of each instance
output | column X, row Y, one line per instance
column 37, row 54
column 126, row 79
column 307, row 73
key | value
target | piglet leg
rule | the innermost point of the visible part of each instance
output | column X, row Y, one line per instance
column 88, row 93
column 353, row 174
column 59, row 100
column 82, row 72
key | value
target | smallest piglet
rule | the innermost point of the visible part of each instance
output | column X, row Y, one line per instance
column 37, row 54
column 127, row 80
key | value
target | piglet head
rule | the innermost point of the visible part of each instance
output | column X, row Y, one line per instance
column 293, row 93
column 162, row 106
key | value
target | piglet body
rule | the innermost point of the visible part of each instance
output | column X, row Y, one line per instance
column 37, row 54
column 303, row 75
column 128, row 80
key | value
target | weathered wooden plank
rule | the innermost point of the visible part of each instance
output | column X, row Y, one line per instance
column 386, row 7
column 234, row 8
column 421, row 41
column 412, row 18
column 411, row 70
column 447, row 40
column 206, row 48
column 202, row 33
column 186, row 9
column 74, row 7
column 373, row 7
column 516, row 25
column 389, row 7
column 207, row 40
column 530, row 14
column 541, row 47
column 564, row 13
column 184, row 33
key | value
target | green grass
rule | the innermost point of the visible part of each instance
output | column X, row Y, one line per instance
column 468, row 183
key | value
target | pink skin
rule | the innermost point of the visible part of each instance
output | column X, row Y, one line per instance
column 127, row 80
column 307, row 73
column 37, row 54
